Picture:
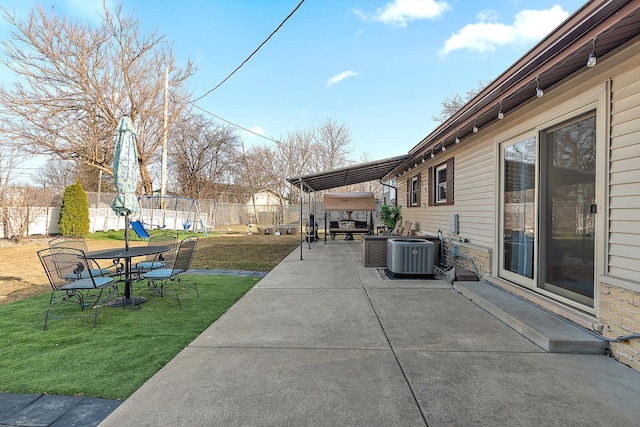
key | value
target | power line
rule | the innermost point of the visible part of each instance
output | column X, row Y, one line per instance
column 234, row 124
column 253, row 53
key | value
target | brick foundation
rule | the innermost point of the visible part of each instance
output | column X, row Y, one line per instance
column 481, row 258
column 619, row 312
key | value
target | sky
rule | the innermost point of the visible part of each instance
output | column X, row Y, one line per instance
column 381, row 67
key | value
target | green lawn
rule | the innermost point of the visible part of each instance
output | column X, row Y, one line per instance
column 127, row 347
column 114, row 359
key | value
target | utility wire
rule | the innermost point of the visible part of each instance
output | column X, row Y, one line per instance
column 234, row 124
column 253, row 53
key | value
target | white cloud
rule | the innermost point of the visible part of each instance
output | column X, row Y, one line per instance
column 528, row 26
column 339, row 77
column 487, row 15
column 399, row 12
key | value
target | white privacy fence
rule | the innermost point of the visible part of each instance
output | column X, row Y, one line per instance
column 37, row 212
column 44, row 221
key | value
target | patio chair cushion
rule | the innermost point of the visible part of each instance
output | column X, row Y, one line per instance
column 163, row 273
column 85, row 274
column 150, row 265
column 87, row 283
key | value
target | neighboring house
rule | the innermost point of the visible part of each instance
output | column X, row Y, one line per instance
column 544, row 191
column 265, row 201
column 389, row 193
column 265, row 207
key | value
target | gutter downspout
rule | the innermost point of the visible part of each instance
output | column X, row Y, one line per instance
column 391, row 186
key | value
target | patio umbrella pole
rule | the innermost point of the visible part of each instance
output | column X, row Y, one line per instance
column 127, row 262
column 126, row 232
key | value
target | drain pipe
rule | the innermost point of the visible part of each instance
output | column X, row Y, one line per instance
column 390, row 186
column 621, row 338
column 456, row 254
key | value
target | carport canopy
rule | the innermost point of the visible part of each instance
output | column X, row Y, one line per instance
column 353, row 174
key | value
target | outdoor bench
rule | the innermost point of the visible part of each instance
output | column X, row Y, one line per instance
column 348, row 228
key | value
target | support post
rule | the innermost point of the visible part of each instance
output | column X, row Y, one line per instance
column 301, row 199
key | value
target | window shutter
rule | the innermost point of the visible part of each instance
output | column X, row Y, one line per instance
column 431, row 193
column 408, row 192
column 419, row 190
column 450, row 181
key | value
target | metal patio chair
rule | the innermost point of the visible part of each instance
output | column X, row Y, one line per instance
column 81, row 244
column 167, row 281
column 69, row 274
column 161, row 260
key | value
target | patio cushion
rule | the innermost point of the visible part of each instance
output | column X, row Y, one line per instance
column 162, row 273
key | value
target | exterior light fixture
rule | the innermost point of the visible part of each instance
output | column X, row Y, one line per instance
column 539, row 91
column 500, row 113
column 423, row 158
column 443, row 147
column 432, row 155
column 457, row 138
column 593, row 58
column 475, row 125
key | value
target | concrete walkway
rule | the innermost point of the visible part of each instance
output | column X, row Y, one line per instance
column 327, row 342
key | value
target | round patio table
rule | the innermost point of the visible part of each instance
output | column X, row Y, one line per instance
column 126, row 255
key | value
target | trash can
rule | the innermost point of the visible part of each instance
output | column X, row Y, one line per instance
column 312, row 229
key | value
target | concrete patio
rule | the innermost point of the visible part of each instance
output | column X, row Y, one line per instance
column 324, row 341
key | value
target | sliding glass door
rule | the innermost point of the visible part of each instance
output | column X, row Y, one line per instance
column 568, row 179
column 519, row 208
column 548, row 210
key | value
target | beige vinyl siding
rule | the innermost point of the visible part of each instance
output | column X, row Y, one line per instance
column 474, row 194
column 624, row 177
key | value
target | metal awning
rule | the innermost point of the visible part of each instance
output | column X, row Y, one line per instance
column 354, row 174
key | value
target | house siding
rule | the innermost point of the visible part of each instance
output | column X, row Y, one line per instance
column 613, row 89
column 473, row 194
column 619, row 289
column 624, row 177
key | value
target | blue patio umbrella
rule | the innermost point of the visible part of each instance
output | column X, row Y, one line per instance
column 126, row 173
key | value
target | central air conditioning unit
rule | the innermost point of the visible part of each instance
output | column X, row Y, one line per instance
column 407, row 257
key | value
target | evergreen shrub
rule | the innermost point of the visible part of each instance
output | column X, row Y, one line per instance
column 74, row 213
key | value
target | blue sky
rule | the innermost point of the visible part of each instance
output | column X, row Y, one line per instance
column 382, row 67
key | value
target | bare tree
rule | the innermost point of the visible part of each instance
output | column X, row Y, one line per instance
column 201, row 153
column 298, row 153
column 333, row 145
column 256, row 171
column 18, row 211
column 294, row 156
column 453, row 104
column 9, row 160
column 57, row 173
column 75, row 81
